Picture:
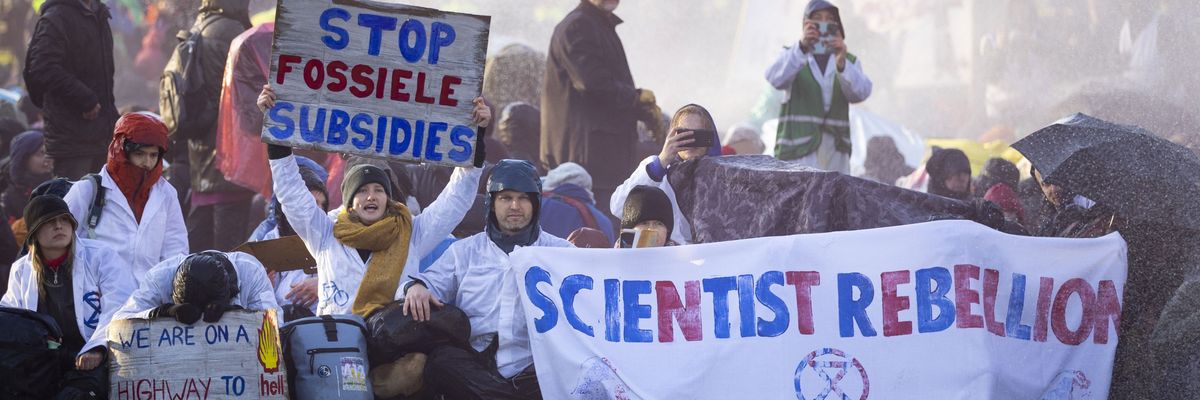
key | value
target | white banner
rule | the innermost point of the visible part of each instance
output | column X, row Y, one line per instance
column 376, row 79
column 940, row 310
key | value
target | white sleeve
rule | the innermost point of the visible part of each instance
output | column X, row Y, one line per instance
column 616, row 204
column 256, row 292
column 785, row 68
column 153, row 291
column 116, row 284
column 16, row 284
column 79, row 199
column 310, row 223
column 856, row 86
column 443, row 215
column 442, row 278
column 176, row 242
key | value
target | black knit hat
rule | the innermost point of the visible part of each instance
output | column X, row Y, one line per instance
column 203, row 278
column 43, row 209
column 648, row 203
column 360, row 176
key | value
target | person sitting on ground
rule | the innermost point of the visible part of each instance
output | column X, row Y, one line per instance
column 742, row 139
column 689, row 121
column 1073, row 215
column 997, row 171
column 949, row 173
column 72, row 280
column 567, row 203
column 201, row 285
column 140, row 218
column 647, row 211
column 295, row 290
column 362, row 256
column 472, row 275
column 26, row 167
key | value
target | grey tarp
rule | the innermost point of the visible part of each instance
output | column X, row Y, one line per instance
column 739, row 197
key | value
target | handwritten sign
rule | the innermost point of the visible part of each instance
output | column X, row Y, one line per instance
column 376, row 79
column 941, row 310
column 237, row 357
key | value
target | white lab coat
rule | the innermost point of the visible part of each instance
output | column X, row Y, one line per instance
column 856, row 86
column 162, row 233
column 474, row 274
column 98, row 288
column 254, row 289
column 339, row 267
column 681, row 233
column 284, row 280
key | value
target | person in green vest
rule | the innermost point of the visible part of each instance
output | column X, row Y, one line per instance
column 821, row 79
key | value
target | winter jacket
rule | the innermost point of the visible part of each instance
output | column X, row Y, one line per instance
column 68, row 70
column 232, row 19
column 161, row 234
column 99, row 289
column 156, row 287
column 560, row 218
column 339, row 267
column 588, row 97
column 475, row 276
column 681, row 233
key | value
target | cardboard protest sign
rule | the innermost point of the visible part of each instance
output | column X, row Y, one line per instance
column 376, row 79
column 237, row 357
column 939, row 310
column 283, row 254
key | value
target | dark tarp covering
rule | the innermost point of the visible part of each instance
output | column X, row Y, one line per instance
column 740, row 197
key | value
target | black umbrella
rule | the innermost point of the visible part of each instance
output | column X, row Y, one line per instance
column 1135, row 173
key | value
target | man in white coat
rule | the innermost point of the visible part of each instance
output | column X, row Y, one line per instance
column 214, row 282
column 682, row 144
column 474, row 275
column 75, row 282
column 356, row 242
column 140, row 216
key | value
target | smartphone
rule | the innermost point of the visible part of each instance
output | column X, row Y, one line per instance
column 701, row 138
column 628, row 238
column 827, row 30
column 637, row 239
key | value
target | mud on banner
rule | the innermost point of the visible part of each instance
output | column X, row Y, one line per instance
column 237, row 358
column 943, row 310
column 376, row 79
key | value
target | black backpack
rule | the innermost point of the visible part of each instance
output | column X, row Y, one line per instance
column 179, row 96
column 30, row 360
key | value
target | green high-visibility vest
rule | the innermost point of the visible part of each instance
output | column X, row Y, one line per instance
column 803, row 119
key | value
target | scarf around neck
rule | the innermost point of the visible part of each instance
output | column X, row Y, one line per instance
column 388, row 241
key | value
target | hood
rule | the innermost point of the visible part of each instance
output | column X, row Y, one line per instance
column 818, row 5
column 570, row 173
column 520, row 176
column 942, row 164
column 235, row 9
column 20, row 149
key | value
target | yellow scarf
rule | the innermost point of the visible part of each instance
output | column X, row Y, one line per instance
column 387, row 240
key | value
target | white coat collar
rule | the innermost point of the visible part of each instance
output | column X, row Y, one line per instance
column 153, row 203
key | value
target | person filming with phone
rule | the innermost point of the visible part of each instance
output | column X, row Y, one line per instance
column 821, row 78
column 692, row 135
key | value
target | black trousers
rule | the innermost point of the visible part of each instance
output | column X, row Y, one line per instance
column 460, row 374
column 84, row 383
column 74, row 168
column 219, row 226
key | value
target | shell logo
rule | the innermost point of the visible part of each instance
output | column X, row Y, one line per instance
column 268, row 345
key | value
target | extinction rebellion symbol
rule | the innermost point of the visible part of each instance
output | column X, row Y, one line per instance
column 825, row 374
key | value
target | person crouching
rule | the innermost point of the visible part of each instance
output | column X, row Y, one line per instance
column 72, row 280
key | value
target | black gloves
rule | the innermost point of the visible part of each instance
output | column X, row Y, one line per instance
column 276, row 152
column 480, row 153
column 184, row 313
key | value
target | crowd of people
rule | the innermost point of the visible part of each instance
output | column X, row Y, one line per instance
column 116, row 214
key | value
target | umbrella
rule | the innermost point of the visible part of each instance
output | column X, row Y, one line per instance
column 1135, row 173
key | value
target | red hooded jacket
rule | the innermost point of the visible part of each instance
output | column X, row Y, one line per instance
column 145, row 129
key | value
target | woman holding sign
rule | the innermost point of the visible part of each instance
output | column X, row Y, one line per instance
column 362, row 256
